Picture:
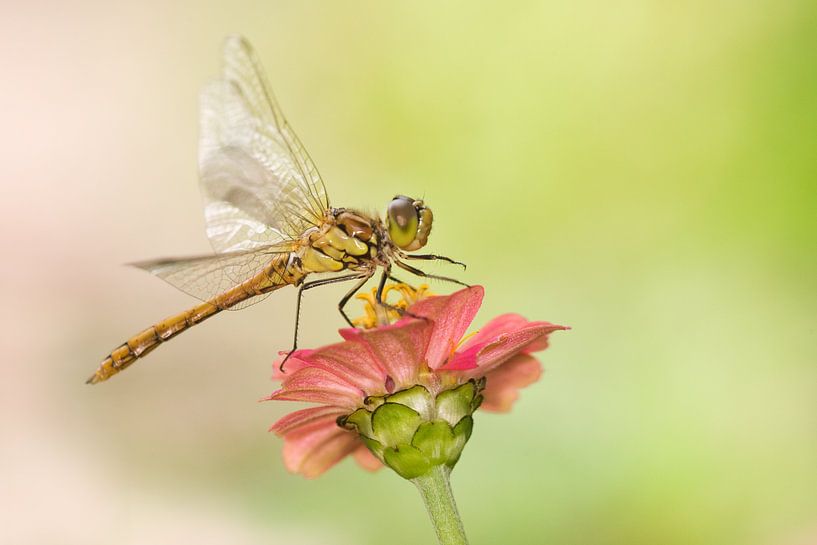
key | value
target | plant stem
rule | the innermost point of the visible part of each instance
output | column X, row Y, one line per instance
column 436, row 492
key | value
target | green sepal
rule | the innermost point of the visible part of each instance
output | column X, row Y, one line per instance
column 464, row 428
column 436, row 440
column 361, row 420
column 375, row 447
column 412, row 431
column 417, row 397
column 453, row 405
column 462, row 432
column 394, row 424
column 372, row 402
column 408, row 461
column 477, row 402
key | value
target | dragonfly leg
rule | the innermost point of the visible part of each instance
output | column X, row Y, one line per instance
column 434, row 257
column 349, row 294
column 379, row 297
column 418, row 272
column 315, row 284
column 395, row 279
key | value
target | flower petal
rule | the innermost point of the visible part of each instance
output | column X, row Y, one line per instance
column 451, row 316
column 503, row 384
column 351, row 362
column 294, row 363
column 508, row 323
column 313, row 448
column 463, row 360
column 504, row 323
column 366, row 460
column 295, row 420
column 543, row 342
column 400, row 348
column 318, row 386
column 498, row 351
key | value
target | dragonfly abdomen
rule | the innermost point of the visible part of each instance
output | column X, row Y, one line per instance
column 275, row 275
column 147, row 340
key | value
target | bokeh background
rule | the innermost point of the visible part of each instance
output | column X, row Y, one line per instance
column 643, row 171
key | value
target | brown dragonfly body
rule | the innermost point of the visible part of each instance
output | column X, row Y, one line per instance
column 276, row 275
column 268, row 217
column 347, row 240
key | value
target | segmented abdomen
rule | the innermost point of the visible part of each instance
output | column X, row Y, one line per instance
column 274, row 276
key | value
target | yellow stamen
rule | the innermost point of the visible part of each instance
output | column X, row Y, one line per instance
column 456, row 346
column 462, row 341
column 377, row 315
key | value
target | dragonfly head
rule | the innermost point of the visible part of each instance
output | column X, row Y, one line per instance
column 409, row 222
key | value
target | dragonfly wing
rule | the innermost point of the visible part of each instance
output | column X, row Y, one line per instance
column 259, row 184
column 206, row 276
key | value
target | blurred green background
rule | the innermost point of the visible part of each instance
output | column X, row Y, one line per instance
column 645, row 172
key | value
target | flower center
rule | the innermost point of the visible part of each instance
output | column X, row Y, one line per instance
column 376, row 315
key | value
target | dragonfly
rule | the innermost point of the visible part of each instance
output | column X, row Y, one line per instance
column 268, row 218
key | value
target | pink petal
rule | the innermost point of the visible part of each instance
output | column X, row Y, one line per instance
column 313, row 448
column 366, row 460
column 399, row 348
column 292, row 364
column 504, row 323
column 503, row 383
column 508, row 345
column 350, row 361
column 436, row 306
column 543, row 342
column 451, row 316
column 464, row 360
column 318, row 386
column 304, row 417
column 508, row 323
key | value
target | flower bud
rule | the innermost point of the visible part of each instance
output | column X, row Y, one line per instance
column 412, row 430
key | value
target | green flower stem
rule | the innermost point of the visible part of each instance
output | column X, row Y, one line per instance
column 436, row 492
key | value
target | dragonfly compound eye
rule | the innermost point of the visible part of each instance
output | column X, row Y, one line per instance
column 402, row 221
column 409, row 223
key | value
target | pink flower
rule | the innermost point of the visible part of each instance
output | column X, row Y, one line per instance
column 370, row 366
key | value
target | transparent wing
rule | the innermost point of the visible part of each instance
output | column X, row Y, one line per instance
column 260, row 187
column 206, row 276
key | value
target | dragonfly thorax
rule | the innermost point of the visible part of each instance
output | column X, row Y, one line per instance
column 345, row 240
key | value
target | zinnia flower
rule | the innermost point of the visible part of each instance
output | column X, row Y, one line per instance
column 403, row 394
